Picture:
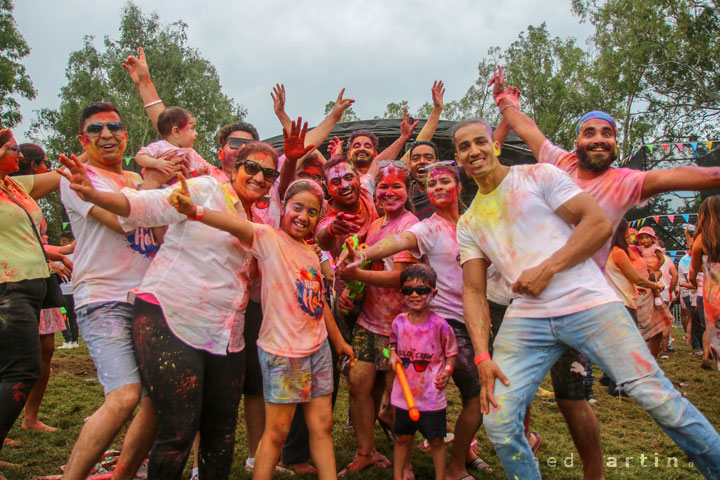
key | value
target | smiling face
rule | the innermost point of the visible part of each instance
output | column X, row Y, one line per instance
column 301, row 215
column 596, row 146
column 343, row 184
column 106, row 148
column 252, row 187
column 475, row 150
column 391, row 191
column 420, row 158
column 362, row 152
column 10, row 162
column 442, row 188
column 226, row 155
column 416, row 302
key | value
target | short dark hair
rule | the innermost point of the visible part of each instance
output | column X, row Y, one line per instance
column 418, row 143
column 419, row 271
column 5, row 137
column 337, row 159
column 256, row 147
column 67, row 236
column 239, row 126
column 32, row 155
column 363, row 133
column 172, row 117
column 93, row 108
column 471, row 121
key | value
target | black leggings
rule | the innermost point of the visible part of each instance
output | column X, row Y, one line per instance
column 19, row 347
column 192, row 391
column 70, row 334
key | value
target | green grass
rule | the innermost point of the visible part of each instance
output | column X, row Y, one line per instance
column 626, row 430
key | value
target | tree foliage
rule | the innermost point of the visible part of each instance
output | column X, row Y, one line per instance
column 14, row 80
column 664, row 57
column 349, row 114
column 181, row 75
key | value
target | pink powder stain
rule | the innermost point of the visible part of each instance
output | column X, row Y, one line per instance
column 18, row 395
column 642, row 365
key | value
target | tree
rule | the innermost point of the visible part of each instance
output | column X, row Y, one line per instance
column 14, row 80
column 182, row 77
column 349, row 115
column 664, row 56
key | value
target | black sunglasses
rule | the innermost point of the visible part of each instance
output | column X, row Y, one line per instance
column 407, row 291
column 252, row 168
column 97, row 128
column 235, row 142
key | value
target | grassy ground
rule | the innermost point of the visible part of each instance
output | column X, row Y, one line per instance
column 627, row 432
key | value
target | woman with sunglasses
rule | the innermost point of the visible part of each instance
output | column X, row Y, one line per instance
column 22, row 279
column 189, row 309
column 383, row 302
column 434, row 237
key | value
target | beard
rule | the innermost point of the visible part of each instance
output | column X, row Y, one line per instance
column 592, row 162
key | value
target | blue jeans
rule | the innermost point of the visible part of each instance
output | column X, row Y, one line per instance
column 526, row 348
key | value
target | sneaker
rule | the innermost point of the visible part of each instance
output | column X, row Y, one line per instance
column 66, row 345
column 195, row 474
column 75, row 345
column 665, row 356
column 590, row 396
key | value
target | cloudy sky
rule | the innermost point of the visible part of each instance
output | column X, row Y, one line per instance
column 379, row 51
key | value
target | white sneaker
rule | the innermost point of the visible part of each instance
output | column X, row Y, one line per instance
column 75, row 345
column 66, row 345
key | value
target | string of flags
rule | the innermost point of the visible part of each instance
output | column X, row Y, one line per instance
column 668, row 147
column 640, row 222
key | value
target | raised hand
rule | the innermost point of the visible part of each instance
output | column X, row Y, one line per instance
column 437, row 91
column 137, row 67
column 335, row 146
column 180, row 199
column 513, row 94
column 3, row 148
column 498, row 83
column 341, row 104
column 294, row 144
column 406, row 128
column 78, row 177
column 278, row 98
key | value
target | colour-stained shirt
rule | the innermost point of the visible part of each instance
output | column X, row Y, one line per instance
column 616, row 190
column 200, row 274
column 515, row 226
column 423, row 350
column 436, row 240
column 107, row 264
column 196, row 163
column 292, row 294
column 382, row 305
column 21, row 256
column 649, row 255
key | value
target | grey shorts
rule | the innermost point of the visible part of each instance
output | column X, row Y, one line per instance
column 106, row 328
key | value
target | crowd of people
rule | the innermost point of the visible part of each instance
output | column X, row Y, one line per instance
column 269, row 277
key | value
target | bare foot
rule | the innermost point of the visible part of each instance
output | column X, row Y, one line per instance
column 12, row 443
column 301, row 468
column 37, row 426
column 408, row 474
column 363, row 461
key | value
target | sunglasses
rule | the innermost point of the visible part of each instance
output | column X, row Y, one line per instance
column 418, row 365
column 252, row 169
column 235, row 142
column 97, row 128
column 395, row 163
column 407, row 291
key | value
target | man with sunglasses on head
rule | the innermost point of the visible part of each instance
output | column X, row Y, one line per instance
column 109, row 262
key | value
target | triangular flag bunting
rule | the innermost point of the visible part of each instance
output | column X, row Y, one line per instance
column 672, row 252
column 650, row 147
column 656, row 218
column 687, row 218
column 671, row 218
column 709, row 145
column 642, row 222
column 665, row 146
column 127, row 160
column 680, row 146
column 65, row 224
column 694, row 145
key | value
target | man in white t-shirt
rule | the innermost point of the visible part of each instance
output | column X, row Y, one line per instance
column 108, row 263
column 540, row 230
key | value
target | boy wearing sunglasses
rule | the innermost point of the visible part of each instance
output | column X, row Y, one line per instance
column 425, row 345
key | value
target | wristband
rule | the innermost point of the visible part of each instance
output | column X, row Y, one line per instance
column 481, row 357
column 329, row 231
column 199, row 212
column 449, row 368
column 505, row 107
column 148, row 105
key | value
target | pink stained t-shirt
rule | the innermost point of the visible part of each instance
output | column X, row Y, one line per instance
column 292, row 294
column 382, row 305
column 424, row 348
column 616, row 190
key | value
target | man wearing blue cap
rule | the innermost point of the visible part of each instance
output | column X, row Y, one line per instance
column 616, row 190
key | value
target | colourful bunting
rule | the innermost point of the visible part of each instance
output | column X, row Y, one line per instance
column 656, row 218
column 687, row 218
column 671, row 218
column 709, row 145
column 680, row 146
column 650, row 147
column 65, row 224
column 694, row 145
column 127, row 160
column 665, row 146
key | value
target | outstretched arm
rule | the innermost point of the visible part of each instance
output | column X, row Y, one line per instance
column 139, row 72
column 428, row 130
column 392, row 152
column 502, row 130
column 384, row 248
column 319, row 134
column 278, row 98
column 680, row 178
column 517, row 121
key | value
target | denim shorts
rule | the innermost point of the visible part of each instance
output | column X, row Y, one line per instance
column 296, row 380
column 106, row 328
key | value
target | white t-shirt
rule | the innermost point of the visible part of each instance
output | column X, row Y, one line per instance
column 683, row 274
column 515, row 226
column 107, row 264
column 66, row 287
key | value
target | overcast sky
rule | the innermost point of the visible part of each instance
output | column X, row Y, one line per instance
column 379, row 51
